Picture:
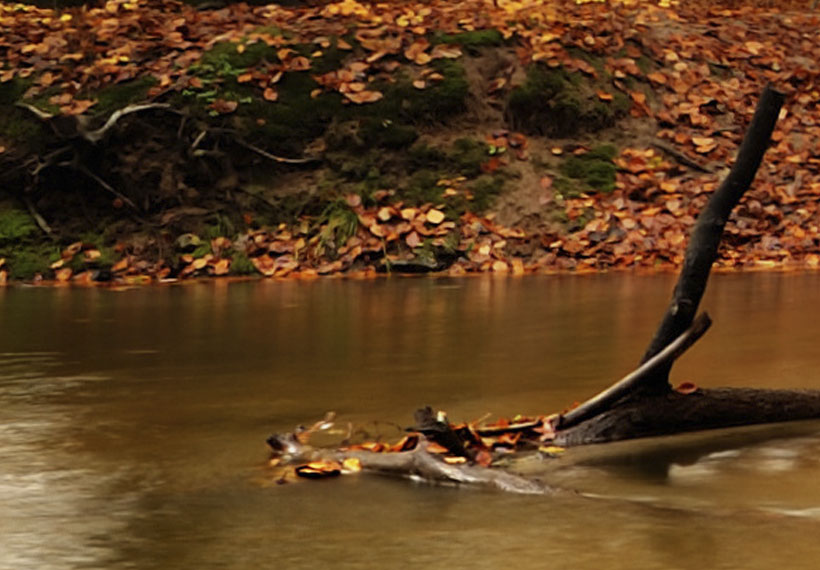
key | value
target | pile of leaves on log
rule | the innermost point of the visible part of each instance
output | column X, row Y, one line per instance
column 476, row 442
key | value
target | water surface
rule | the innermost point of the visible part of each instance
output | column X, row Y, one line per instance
column 132, row 424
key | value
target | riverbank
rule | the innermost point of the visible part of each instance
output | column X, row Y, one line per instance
column 151, row 141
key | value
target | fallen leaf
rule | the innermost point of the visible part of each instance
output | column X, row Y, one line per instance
column 364, row 96
column 434, row 216
column 412, row 240
column 319, row 469
column 686, row 388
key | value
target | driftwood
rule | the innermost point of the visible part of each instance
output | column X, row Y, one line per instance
column 417, row 464
column 642, row 404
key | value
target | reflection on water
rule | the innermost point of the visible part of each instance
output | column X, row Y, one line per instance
column 132, row 424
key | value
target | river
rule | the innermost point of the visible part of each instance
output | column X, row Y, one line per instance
column 133, row 424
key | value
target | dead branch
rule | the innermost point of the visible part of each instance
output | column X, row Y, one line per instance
column 703, row 245
column 107, row 186
column 97, row 135
column 273, row 157
column 80, row 122
column 627, row 384
column 41, row 222
column 416, row 464
column 680, row 157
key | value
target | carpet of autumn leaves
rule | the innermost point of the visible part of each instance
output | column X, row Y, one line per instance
column 692, row 72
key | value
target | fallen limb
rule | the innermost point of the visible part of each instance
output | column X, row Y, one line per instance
column 704, row 409
column 417, row 464
column 703, row 245
column 680, row 157
column 273, row 157
column 627, row 384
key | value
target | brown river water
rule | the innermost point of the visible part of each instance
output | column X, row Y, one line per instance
column 133, row 425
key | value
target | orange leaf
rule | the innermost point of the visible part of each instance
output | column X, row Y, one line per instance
column 364, row 96
column 686, row 388
column 657, row 77
column 433, row 447
column 604, row 96
column 222, row 106
column 270, row 94
column 63, row 275
column 222, row 266
column 319, row 469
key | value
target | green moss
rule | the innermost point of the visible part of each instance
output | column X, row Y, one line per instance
column 331, row 59
column 114, row 97
column 422, row 155
column 468, row 155
column 470, row 40
column 595, row 168
column 26, row 262
column 15, row 225
column 485, row 189
column 338, row 223
column 228, row 59
column 441, row 101
column 566, row 188
column 422, row 187
column 12, row 91
column 288, row 124
column 387, row 134
column 557, row 103
column 644, row 64
column 241, row 264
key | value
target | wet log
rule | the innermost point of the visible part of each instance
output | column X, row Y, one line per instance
column 673, row 413
column 417, row 464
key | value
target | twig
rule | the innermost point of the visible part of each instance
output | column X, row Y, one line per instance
column 95, row 136
column 39, row 113
column 628, row 383
column 36, row 215
column 107, row 186
column 680, row 157
column 273, row 157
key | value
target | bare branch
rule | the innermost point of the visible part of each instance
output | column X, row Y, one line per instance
column 627, row 384
column 95, row 136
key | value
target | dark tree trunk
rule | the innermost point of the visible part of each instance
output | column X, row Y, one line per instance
column 703, row 245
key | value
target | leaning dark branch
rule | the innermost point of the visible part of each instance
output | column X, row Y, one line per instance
column 703, row 245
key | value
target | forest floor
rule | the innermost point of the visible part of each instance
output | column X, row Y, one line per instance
column 153, row 141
